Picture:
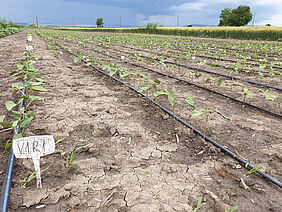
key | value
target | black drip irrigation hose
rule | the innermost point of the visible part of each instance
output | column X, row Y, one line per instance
column 189, row 83
column 205, row 71
column 202, row 56
column 206, row 138
column 6, row 185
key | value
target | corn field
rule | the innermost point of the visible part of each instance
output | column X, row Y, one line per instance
column 246, row 33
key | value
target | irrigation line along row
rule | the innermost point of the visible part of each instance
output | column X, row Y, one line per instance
column 164, row 55
column 206, row 138
column 189, row 83
column 202, row 56
column 6, row 185
column 210, row 57
column 209, row 72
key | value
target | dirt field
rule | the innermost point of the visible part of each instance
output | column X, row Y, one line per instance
column 133, row 157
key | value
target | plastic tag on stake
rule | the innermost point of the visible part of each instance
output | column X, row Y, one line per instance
column 34, row 147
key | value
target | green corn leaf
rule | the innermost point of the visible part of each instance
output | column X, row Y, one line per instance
column 10, row 105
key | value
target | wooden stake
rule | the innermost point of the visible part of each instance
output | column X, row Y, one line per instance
column 37, row 22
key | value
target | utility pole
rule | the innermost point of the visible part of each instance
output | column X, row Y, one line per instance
column 37, row 22
column 73, row 20
column 120, row 21
column 254, row 19
column 177, row 21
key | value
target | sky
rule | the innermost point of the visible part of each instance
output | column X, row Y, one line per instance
column 135, row 12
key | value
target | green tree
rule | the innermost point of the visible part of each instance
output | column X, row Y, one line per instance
column 240, row 16
column 99, row 22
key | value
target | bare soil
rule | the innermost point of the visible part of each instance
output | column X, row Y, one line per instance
column 133, row 156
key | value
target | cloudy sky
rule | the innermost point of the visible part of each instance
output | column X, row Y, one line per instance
column 135, row 12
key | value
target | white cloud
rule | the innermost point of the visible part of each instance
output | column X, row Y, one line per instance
column 194, row 6
column 267, row 2
column 166, row 20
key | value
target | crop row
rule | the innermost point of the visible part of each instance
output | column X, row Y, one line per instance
column 8, row 28
column 222, row 84
column 182, row 100
column 197, row 53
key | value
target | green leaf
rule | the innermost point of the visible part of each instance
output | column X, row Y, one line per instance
column 233, row 209
column 190, row 101
column 17, row 115
column 30, row 114
column 20, row 65
column 247, row 93
column 38, row 88
column 199, row 202
column 14, row 123
column 2, row 118
column 39, row 79
column 112, row 71
column 161, row 93
column 76, row 60
column 6, row 124
column 171, row 97
column 260, row 74
column 196, row 113
column 76, row 163
column 219, row 82
column 17, row 136
column 10, row 105
column 7, row 146
column 18, row 85
column 35, row 83
column 144, row 88
column 270, row 96
column 26, row 122
column 225, row 117
column 36, row 98
column 157, row 81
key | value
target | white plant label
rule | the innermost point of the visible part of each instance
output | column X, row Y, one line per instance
column 34, row 147
column 29, row 48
